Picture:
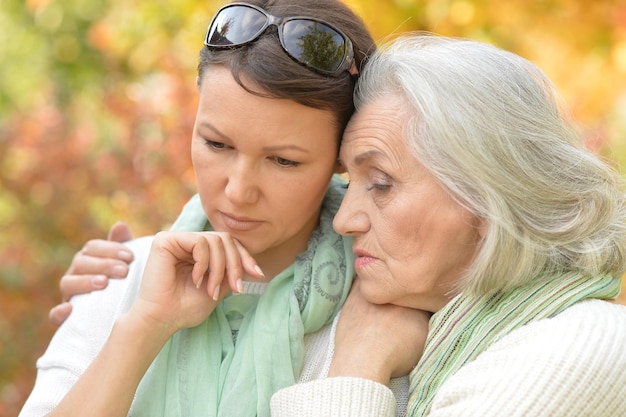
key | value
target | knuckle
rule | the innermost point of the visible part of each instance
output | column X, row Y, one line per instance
column 160, row 238
column 88, row 246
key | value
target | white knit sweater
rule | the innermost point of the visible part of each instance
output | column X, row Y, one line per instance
column 77, row 342
column 571, row 365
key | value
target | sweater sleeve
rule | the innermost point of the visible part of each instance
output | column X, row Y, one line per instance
column 79, row 339
column 331, row 397
column 572, row 364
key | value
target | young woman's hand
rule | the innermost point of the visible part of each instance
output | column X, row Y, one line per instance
column 92, row 267
column 377, row 341
column 186, row 274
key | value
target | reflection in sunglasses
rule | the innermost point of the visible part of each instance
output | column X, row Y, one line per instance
column 309, row 41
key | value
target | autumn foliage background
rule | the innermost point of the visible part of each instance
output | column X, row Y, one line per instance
column 97, row 102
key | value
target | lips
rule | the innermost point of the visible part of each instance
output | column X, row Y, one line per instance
column 363, row 259
column 239, row 224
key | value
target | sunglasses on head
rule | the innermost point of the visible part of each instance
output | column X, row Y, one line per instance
column 309, row 41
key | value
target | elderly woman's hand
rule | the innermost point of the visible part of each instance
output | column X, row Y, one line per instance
column 377, row 342
column 92, row 267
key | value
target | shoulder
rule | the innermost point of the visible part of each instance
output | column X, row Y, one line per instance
column 587, row 328
column 94, row 313
column 79, row 339
column 554, row 366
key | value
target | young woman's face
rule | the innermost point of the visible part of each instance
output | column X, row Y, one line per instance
column 262, row 167
column 412, row 240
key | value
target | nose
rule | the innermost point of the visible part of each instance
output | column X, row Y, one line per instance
column 351, row 218
column 242, row 186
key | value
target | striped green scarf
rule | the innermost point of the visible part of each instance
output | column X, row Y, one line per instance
column 203, row 371
column 467, row 326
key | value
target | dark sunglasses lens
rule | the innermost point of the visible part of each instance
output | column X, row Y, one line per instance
column 314, row 43
column 235, row 25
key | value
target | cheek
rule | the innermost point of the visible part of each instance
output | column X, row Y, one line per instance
column 424, row 251
column 197, row 155
column 399, row 235
column 297, row 199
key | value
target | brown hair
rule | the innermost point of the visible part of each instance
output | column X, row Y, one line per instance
column 266, row 64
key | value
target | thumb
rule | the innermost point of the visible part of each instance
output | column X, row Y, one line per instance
column 120, row 232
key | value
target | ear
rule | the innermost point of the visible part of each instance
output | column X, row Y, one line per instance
column 482, row 227
column 339, row 169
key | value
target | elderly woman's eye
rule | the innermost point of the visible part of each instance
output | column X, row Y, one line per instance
column 379, row 187
column 379, row 181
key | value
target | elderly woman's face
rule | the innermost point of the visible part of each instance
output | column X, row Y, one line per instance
column 411, row 239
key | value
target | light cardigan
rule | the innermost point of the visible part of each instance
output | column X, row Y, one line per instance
column 77, row 342
column 571, row 365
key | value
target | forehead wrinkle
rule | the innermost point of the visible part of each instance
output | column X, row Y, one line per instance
column 364, row 157
column 377, row 126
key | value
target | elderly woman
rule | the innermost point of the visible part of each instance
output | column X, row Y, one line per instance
column 471, row 196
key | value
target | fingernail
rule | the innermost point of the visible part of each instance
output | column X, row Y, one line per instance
column 98, row 281
column 239, row 286
column 259, row 270
column 125, row 255
column 119, row 271
column 199, row 282
column 216, row 294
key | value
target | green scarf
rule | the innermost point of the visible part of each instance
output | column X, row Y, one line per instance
column 202, row 372
column 468, row 325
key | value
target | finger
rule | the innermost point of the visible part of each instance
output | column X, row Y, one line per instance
column 221, row 292
column 178, row 248
column 200, row 256
column 234, row 267
column 71, row 285
column 90, row 265
column 248, row 262
column 217, row 264
column 100, row 248
column 59, row 313
column 120, row 232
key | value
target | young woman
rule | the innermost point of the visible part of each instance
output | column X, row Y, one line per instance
column 275, row 95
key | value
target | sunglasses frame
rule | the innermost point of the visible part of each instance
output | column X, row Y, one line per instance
column 347, row 63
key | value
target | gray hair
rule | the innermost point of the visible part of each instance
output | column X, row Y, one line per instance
column 492, row 129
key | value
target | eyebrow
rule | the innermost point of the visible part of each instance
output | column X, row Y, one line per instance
column 274, row 148
column 214, row 129
column 366, row 156
column 283, row 148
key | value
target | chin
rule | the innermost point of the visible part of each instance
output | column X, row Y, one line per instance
column 372, row 294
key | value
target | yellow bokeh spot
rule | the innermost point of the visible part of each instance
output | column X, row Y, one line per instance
column 619, row 56
column 462, row 12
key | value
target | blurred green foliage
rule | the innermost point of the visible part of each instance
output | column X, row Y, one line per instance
column 97, row 102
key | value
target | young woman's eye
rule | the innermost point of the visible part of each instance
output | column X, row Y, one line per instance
column 214, row 145
column 285, row 162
